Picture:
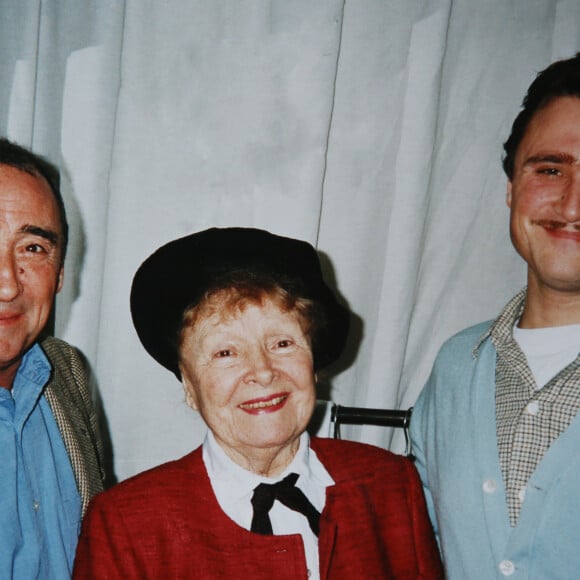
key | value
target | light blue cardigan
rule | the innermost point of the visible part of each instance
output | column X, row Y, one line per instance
column 453, row 432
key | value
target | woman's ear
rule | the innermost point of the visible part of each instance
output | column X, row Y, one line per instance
column 190, row 396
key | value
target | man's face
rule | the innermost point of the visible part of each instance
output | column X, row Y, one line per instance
column 544, row 197
column 30, row 263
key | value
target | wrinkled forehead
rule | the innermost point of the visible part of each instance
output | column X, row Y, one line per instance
column 29, row 194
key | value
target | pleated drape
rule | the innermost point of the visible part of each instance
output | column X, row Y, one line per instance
column 371, row 128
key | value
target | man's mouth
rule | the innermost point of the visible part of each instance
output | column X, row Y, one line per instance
column 556, row 225
column 7, row 317
column 268, row 404
column 560, row 230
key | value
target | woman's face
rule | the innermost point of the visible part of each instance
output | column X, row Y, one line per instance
column 250, row 376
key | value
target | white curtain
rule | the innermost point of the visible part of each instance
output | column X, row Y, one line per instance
column 371, row 128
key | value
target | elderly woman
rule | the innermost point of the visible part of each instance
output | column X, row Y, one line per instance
column 244, row 319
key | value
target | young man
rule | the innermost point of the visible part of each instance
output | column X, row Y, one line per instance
column 50, row 452
column 495, row 430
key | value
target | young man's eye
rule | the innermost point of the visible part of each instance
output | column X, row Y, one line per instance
column 549, row 171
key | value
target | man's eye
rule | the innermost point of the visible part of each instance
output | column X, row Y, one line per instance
column 549, row 171
column 35, row 249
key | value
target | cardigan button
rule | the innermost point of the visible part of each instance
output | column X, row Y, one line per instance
column 489, row 486
column 506, row 567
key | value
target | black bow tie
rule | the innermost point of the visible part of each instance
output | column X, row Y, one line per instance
column 286, row 492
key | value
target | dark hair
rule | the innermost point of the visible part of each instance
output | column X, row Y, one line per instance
column 560, row 79
column 20, row 158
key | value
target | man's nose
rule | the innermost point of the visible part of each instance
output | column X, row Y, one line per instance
column 260, row 368
column 9, row 281
column 570, row 201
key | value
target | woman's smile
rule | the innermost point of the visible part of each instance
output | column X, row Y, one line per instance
column 265, row 404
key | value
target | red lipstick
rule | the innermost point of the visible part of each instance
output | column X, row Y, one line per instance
column 262, row 405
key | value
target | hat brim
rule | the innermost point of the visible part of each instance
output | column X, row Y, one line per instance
column 179, row 274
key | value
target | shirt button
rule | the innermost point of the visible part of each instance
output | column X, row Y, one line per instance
column 522, row 494
column 35, row 505
column 489, row 486
column 506, row 567
column 533, row 408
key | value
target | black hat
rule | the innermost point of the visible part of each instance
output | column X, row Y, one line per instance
column 179, row 273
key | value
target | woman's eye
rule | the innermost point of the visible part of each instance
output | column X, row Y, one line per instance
column 225, row 352
column 284, row 343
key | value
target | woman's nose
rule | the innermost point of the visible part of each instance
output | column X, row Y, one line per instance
column 260, row 368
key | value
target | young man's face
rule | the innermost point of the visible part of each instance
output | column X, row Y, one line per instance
column 30, row 263
column 544, row 197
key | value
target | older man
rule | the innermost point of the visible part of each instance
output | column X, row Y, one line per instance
column 50, row 452
column 495, row 431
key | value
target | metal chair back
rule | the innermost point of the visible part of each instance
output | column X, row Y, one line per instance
column 400, row 419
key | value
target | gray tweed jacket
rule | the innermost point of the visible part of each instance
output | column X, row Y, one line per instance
column 67, row 393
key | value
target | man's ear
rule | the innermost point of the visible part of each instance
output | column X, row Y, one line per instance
column 60, row 279
column 508, row 197
column 190, row 395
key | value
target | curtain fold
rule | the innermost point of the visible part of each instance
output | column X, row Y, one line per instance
column 371, row 128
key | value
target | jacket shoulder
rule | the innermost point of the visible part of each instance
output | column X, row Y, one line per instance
column 344, row 447
column 70, row 373
column 68, row 394
column 172, row 475
column 64, row 356
column 53, row 345
column 347, row 459
column 451, row 375
column 468, row 336
column 457, row 351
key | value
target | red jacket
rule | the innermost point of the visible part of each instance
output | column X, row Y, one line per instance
column 166, row 523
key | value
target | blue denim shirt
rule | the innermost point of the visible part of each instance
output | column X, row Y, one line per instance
column 40, row 507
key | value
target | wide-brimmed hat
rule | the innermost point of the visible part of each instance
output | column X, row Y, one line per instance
column 179, row 274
